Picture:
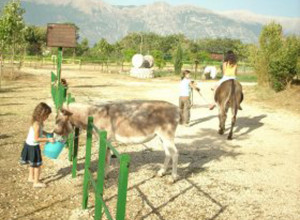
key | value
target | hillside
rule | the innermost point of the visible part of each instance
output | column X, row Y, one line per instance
column 97, row 19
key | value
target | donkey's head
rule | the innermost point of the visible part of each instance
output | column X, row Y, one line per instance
column 63, row 125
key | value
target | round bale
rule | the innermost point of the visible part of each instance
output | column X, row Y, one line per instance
column 137, row 60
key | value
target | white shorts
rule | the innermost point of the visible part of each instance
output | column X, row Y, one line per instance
column 225, row 78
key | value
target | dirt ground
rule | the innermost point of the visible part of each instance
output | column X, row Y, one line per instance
column 254, row 176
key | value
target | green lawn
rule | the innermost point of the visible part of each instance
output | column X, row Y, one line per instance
column 244, row 77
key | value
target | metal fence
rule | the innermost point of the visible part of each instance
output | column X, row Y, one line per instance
column 98, row 184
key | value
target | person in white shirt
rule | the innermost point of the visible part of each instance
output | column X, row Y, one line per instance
column 31, row 152
column 185, row 89
column 211, row 70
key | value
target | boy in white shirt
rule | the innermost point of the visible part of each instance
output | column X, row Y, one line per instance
column 185, row 89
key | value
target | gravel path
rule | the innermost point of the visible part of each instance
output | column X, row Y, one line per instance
column 254, row 176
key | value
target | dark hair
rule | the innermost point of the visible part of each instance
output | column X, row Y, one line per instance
column 41, row 110
column 230, row 58
column 184, row 73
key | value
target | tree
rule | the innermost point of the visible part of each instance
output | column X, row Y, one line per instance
column 14, row 28
column 178, row 60
column 104, row 49
column 2, row 47
column 35, row 39
column 128, row 54
column 275, row 61
column 298, row 68
column 132, row 41
column 283, row 66
column 82, row 48
column 117, row 52
column 158, row 58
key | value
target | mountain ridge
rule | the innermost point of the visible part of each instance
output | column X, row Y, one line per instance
column 98, row 19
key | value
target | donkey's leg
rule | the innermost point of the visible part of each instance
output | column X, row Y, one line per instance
column 171, row 153
column 233, row 120
column 222, row 119
column 107, row 163
column 164, row 168
column 174, row 155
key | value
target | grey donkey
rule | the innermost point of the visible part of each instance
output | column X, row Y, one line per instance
column 128, row 122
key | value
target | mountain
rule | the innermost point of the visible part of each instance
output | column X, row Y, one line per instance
column 97, row 19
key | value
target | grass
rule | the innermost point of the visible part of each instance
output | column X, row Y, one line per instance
column 247, row 78
column 164, row 73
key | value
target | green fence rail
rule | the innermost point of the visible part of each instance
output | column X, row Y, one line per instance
column 60, row 96
column 98, row 185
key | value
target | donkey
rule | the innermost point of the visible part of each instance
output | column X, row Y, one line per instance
column 129, row 122
column 228, row 94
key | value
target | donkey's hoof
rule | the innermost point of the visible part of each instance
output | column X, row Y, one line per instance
column 161, row 172
column 221, row 132
column 107, row 172
column 229, row 138
column 171, row 180
column 175, row 177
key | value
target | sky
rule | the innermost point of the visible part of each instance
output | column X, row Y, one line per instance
column 287, row 8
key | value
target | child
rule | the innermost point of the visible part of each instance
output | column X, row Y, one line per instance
column 229, row 70
column 31, row 153
column 229, row 67
column 184, row 97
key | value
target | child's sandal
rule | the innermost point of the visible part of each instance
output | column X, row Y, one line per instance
column 39, row 185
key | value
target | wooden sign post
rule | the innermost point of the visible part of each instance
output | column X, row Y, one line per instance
column 60, row 35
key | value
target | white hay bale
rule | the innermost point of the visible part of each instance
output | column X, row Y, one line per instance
column 148, row 61
column 142, row 72
column 137, row 60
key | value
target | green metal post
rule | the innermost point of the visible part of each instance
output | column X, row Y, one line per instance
column 59, row 88
column 59, row 61
column 70, row 145
column 122, row 187
column 53, row 87
column 87, row 162
column 100, row 174
column 75, row 152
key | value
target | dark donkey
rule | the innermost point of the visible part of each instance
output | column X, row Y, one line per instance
column 228, row 95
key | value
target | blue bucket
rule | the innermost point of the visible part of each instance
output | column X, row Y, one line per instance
column 52, row 150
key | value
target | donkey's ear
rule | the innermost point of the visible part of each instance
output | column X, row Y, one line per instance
column 66, row 112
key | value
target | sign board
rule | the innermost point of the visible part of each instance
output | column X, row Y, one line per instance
column 61, row 35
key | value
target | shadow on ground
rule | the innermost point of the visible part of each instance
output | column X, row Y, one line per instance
column 205, row 148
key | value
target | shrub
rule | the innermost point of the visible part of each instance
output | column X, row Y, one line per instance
column 275, row 61
column 283, row 65
column 178, row 60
